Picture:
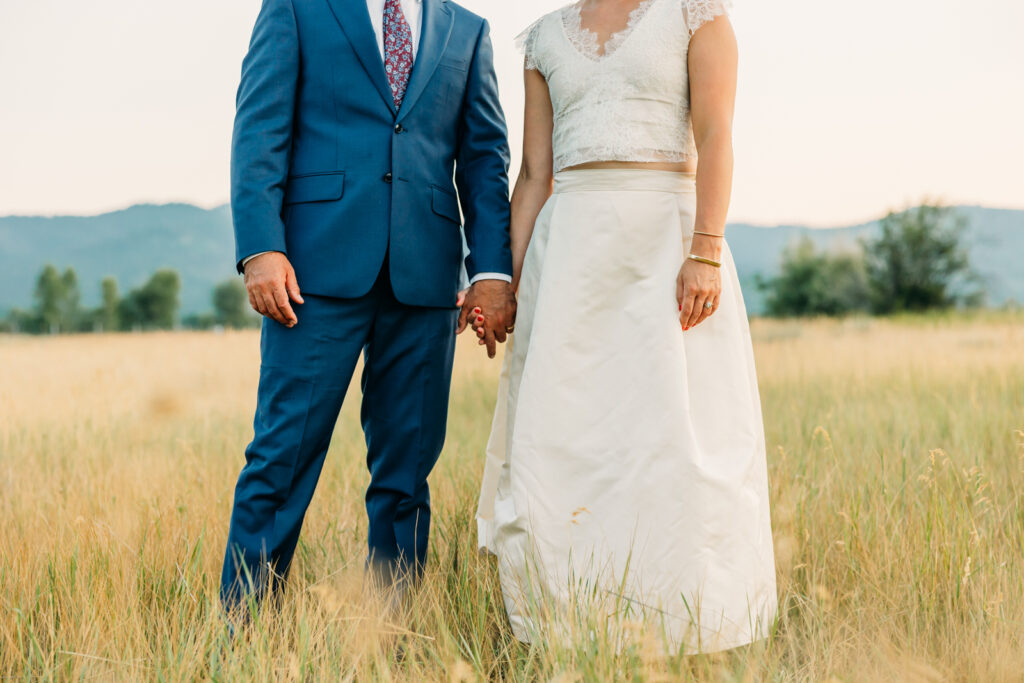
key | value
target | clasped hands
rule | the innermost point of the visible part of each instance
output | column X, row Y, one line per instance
column 489, row 307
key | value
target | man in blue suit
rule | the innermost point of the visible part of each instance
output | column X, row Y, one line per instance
column 362, row 126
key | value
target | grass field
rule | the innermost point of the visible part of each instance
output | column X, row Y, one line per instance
column 896, row 460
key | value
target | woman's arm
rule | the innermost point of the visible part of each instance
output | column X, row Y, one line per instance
column 712, row 67
column 534, row 185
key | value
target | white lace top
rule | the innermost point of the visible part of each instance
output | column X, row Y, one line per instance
column 631, row 103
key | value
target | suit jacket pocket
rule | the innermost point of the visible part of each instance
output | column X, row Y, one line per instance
column 446, row 204
column 315, row 187
column 454, row 63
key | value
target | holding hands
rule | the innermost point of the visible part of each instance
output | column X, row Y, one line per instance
column 489, row 307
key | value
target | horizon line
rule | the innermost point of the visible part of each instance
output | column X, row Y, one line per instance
column 220, row 205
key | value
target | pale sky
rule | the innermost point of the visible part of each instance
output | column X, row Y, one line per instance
column 845, row 109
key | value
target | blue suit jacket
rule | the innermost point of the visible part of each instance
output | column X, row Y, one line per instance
column 324, row 169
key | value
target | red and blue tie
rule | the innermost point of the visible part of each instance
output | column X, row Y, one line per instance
column 397, row 49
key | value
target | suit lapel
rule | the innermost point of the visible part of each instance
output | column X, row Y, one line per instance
column 355, row 22
column 437, row 28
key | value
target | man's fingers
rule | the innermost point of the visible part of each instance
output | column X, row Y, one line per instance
column 292, row 285
column 261, row 304
column 501, row 335
column 252, row 301
column 492, row 346
column 285, row 306
column 270, row 308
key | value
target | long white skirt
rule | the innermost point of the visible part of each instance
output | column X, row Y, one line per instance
column 626, row 470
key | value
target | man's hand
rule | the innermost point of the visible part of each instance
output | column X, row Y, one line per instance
column 270, row 281
column 492, row 303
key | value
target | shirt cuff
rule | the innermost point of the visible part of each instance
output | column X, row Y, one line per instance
column 491, row 276
column 250, row 258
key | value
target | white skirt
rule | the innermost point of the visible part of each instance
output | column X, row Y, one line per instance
column 626, row 472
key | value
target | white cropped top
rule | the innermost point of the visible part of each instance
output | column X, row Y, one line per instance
column 631, row 103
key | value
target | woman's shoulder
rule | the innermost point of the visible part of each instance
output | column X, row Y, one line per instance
column 700, row 12
column 530, row 42
column 548, row 18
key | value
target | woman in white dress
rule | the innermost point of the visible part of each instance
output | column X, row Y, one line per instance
column 626, row 466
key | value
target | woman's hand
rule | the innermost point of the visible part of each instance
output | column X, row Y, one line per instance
column 697, row 285
column 711, row 61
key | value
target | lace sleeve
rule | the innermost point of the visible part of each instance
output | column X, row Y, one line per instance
column 700, row 12
column 527, row 44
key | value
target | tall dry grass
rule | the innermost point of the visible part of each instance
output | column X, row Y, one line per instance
column 896, row 460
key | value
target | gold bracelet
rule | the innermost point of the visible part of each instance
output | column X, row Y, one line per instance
column 709, row 234
column 701, row 259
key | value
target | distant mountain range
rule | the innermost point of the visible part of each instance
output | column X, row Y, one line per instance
column 131, row 244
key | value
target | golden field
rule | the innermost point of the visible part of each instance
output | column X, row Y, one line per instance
column 896, row 459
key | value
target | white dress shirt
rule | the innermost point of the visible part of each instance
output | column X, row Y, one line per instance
column 413, row 10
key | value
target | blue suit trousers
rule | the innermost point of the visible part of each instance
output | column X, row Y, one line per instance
column 304, row 376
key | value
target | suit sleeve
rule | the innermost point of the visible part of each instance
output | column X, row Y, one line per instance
column 262, row 137
column 481, row 171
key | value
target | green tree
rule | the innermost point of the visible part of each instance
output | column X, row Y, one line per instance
column 155, row 304
column 812, row 283
column 231, row 304
column 199, row 321
column 57, row 300
column 49, row 298
column 917, row 263
column 109, row 315
column 27, row 322
column 70, row 313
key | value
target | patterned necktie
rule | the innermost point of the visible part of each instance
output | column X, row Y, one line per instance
column 397, row 49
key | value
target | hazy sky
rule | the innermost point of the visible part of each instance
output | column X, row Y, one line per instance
column 845, row 109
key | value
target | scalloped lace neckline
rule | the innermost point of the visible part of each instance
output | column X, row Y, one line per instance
column 586, row 41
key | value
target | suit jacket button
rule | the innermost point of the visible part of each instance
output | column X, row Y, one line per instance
column 399, row 128
column 387, row 177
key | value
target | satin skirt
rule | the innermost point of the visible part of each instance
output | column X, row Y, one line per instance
column 625, row 480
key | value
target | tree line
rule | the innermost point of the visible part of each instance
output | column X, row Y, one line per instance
column 154, row 305
column 916, row 263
